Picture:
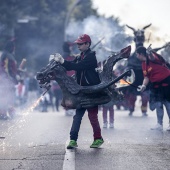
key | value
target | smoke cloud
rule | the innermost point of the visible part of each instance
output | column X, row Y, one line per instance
column 99, row 27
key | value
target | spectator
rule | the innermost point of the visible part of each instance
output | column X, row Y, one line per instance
column 108, row 107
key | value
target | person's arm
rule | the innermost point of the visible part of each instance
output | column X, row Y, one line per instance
column 144, row 84
column 88, row 62
column 145, row 81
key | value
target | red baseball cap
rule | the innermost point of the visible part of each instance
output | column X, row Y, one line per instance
column 83, row 38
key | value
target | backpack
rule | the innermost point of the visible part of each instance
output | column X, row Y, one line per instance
column 153, row 55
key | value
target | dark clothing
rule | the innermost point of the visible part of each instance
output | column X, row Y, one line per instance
column 159, row 91
column 33, row 85
column 57, row 94
column 160, row 110
column 131, row 100
column 132, row 93
column 93, row 117
column 86, row 75
column 159, row 97
column 135, row 64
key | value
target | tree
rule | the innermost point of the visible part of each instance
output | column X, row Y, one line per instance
column 36, row 39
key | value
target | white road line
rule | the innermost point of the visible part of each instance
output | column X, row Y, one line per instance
column 69, row 159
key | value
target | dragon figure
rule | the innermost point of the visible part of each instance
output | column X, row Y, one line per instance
column 76, row 96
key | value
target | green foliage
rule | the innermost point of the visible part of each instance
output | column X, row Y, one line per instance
column 84, row 10
column 43, row 31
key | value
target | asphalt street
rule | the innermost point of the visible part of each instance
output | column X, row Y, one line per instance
column 37, row 141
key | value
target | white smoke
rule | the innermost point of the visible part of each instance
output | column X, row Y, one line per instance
column 99, row 27
column 6, row 93
column 2, row 28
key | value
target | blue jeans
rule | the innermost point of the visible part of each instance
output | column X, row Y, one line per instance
column 160, row 110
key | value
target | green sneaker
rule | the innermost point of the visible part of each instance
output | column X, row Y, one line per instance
column 97, row 143
column 72, row 144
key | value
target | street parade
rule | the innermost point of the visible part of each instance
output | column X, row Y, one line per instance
column 81, row 89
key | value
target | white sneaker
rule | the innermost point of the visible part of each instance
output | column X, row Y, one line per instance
column 105, row 125
column 168, row 129
column 111, row 125
column 157, row 127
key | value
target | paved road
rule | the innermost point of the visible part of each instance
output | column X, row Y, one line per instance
column 131, row 145
column 37, row 142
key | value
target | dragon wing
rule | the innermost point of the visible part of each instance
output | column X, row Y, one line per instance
column 71, row 85
column 107, row 73
column 102, row 85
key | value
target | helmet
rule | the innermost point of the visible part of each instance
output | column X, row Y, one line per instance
column 83, row 38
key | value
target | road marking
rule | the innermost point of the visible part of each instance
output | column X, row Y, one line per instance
column 69, row 159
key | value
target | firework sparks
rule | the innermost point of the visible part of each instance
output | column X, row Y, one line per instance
column 34, row 105
column 19, row 123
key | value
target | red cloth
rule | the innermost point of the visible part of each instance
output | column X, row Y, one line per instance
column 93, row 117
column 155, row 72
column 82, row 56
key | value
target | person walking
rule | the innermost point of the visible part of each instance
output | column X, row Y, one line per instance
column 86, row 75
column 108, row 107
column 157, row 74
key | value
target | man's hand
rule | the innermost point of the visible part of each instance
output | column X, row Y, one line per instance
column 141, row 88
column 51, row 57
column 57, row 57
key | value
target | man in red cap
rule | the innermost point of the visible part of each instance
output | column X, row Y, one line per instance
column 86, row 75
